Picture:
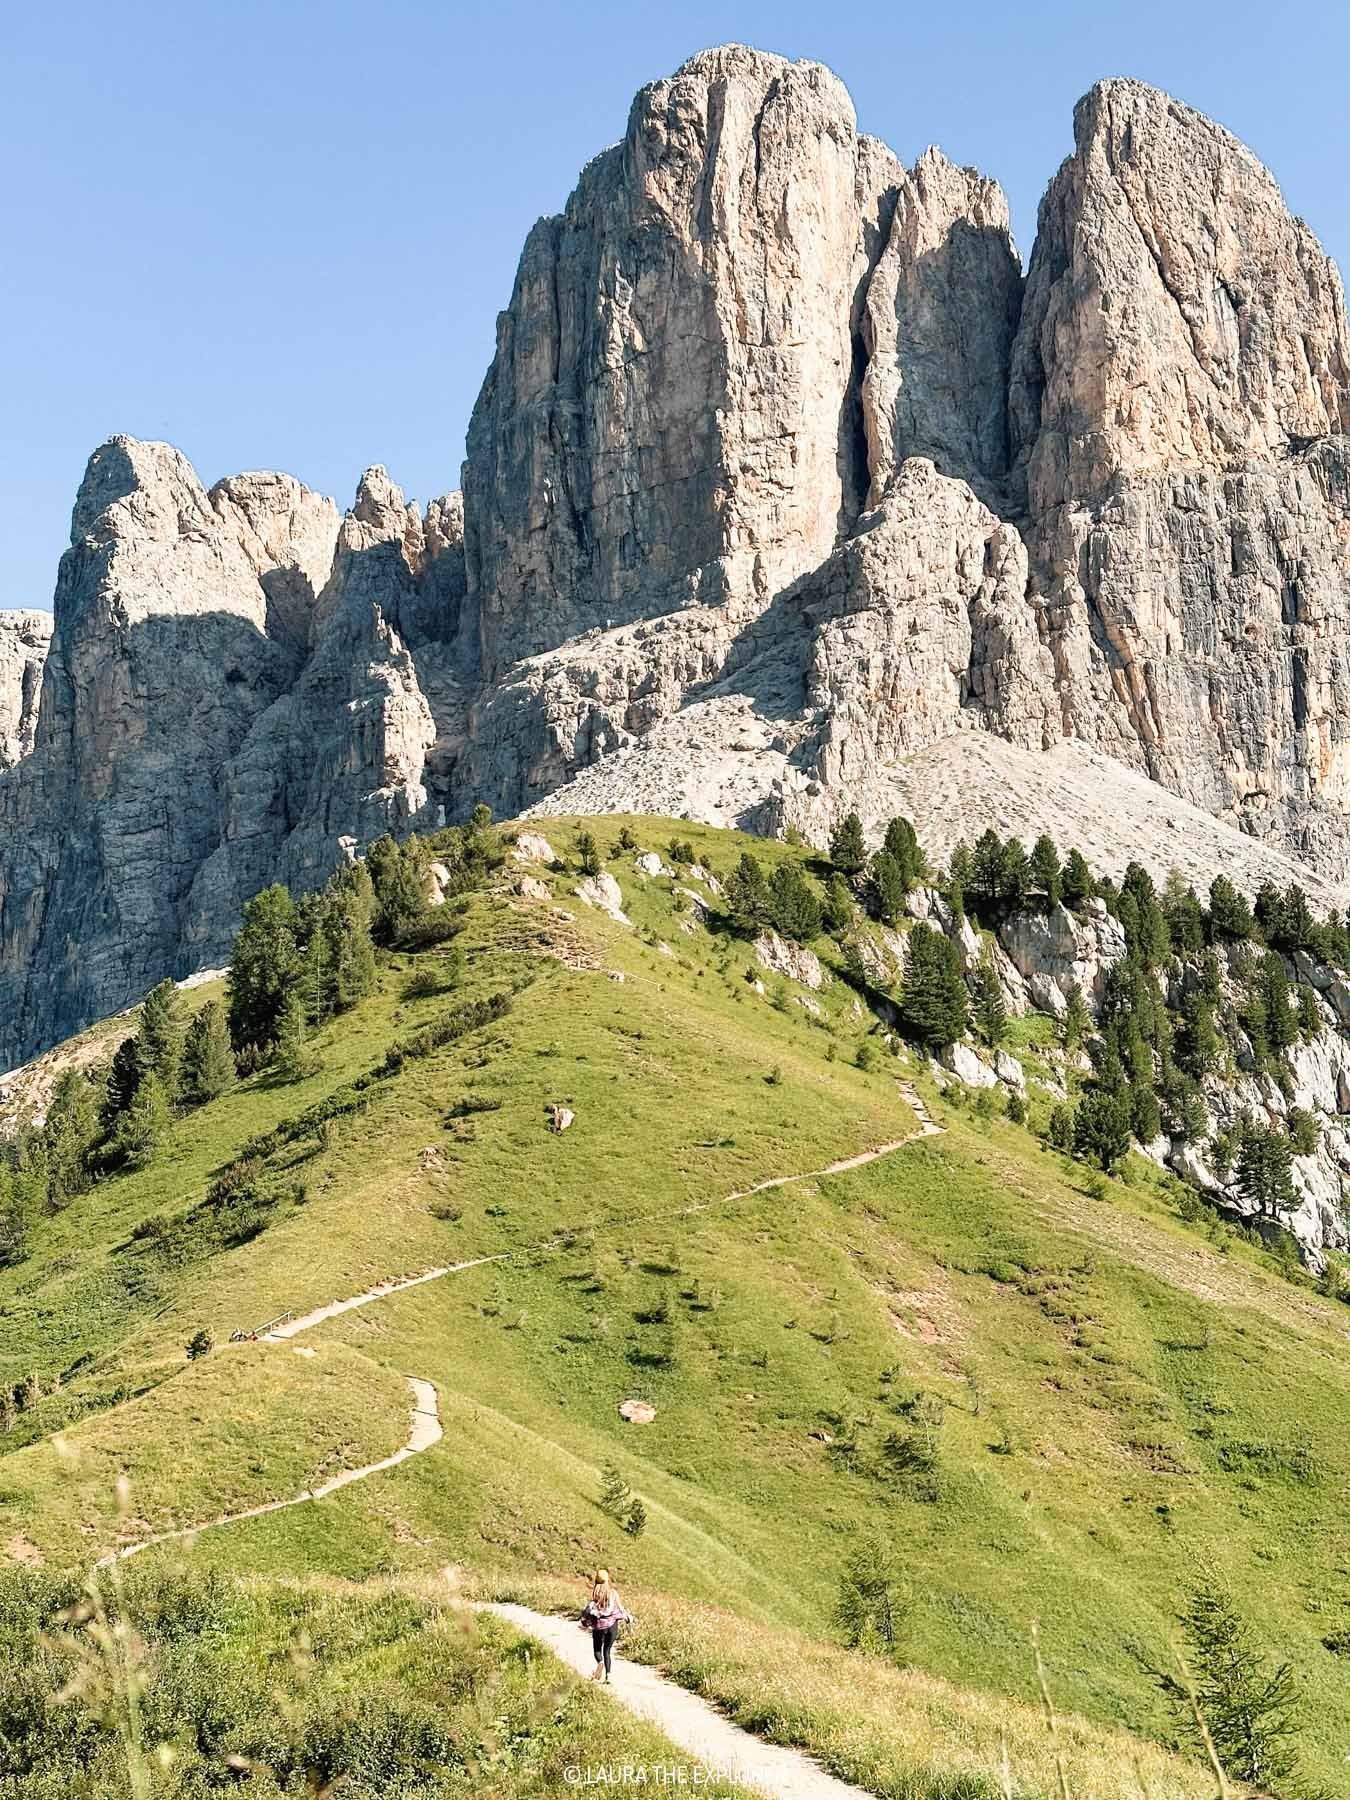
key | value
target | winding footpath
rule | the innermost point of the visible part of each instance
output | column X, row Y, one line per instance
column 718, row 1747
column 424, row 1431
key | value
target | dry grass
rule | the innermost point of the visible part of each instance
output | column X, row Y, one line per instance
column 895, row 1732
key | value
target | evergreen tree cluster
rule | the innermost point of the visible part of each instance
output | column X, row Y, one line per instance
column 786, row 902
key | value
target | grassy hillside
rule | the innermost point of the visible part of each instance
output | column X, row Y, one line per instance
column 1044, row 1397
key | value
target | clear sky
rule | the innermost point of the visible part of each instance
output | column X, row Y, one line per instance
column 278, row 234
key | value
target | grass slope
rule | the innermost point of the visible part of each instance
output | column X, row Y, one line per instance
column 1112, row 1398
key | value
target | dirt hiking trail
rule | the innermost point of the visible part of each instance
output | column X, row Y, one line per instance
column 715, row 1744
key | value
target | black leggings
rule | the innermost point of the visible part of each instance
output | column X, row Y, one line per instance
column 604, row 1645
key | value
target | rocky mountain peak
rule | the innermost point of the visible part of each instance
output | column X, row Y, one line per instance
column 783, row 489
column 1176, row 313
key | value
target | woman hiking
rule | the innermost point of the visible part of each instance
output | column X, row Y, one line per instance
column 604, row 1613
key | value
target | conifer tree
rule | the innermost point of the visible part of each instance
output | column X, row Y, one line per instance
column 958, row 879
column 1250, row 1705
column 1046, row 874
column 208, row 1058
column 848, row 850
column 124, row 1076
column 350, row 953
column 1264, row 1172
column 264, row 965
column 986, row 870
column 398, row 872
column 838, row 909
column 142, row 1126
column 1077, row 1021
column 1077, row 884
column 293, row 1058
column 991, row 1016
column 747, row 894
column 1101, row 1128
column 794, row 907
column 1014, row 873
column 1230, row 917
column 69, row 1136
column 588, row 853
column 162, row 1030
column 1281, row 1019
column 933, row 997
column 888, row 887
column 902, row 843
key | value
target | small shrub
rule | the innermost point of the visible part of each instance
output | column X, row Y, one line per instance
column 199, row 1344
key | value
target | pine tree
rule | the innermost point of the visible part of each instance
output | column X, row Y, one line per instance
column 794, row 907
column 902, row 843
column 1199, row 1048
column 1230, row 917
column 124, row 1077
column 933, row 998
column 1281, row 1019
column 588, row 853
column 958, row 879
column 848, row 850
column 991, row 1016
column 398, row 872
column 1250, row 1706
column 208, row 1057
column 888, row 887
column 162, row 1030
column 616, row 1497
column 69, row 1135
column 345, row 929
column 1185, row 917
column 143, row 1125
column 838, row 910
column 1046, row 874
column 293, row 1059
column 1077, row 1021
column 986, row 870
column 264, row 965
column 1264, row 1172
column 1101, row 1128
column 747, row 894
column 1014, row 876
column 1077, row 884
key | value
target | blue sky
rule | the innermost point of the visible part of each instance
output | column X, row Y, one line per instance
column 279, row 234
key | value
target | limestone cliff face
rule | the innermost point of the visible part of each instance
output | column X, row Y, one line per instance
column 24, row 641
column 224, row 701
column 782, row 479
column 1180, row 390
column 667, row 418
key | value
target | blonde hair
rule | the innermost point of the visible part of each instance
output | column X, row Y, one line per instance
column 600, row 1591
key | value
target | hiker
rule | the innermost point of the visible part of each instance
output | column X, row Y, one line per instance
column 602, row 1616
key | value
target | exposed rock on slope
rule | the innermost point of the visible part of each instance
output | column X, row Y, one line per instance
column 782, row 487
column 224, row 701
column 24, row 639
column 1181, row 379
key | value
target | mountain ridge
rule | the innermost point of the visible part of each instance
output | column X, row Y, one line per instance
column 778, row 439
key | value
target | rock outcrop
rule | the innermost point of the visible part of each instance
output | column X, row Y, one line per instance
column 783, row 486
column 1180, row 394
column 24, row 641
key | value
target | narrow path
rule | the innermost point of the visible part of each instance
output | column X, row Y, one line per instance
column 424, row 1431
column 398, row 1284
column 694, row 1724
column 381, row 1291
